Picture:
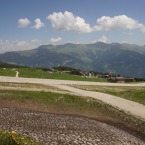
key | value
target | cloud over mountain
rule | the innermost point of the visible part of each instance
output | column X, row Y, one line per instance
column 103, row 39
column 15, row 45
column 55, row 40
column 121, row 22
column 67, row 21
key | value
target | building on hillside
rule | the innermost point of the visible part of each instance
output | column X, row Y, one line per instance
column 115, row 78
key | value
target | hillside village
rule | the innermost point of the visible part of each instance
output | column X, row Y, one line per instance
column 110, row 76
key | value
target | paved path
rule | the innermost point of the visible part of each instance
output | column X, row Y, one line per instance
column 129, row 106
column 133, row 108
column 62, row 82
column 17, row 74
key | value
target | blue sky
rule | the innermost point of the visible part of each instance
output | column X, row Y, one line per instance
column 26, row 24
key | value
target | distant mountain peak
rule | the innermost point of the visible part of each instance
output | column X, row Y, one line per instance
column 99, row 45
column 69, row 44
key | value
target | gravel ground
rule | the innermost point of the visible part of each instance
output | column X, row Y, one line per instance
column 52, row 129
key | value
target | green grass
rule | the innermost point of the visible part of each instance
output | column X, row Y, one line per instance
column 12, row 138
column 7, row 72
column 136, row 94
column 38, row 73
column 71, row 104
column 49, row 98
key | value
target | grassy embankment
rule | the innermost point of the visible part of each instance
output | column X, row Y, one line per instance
column 71, row 104
column 136, row 94
column 38, row 73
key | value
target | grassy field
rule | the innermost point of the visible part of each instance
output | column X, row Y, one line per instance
column 136, row 94
column 70, row 104
column 38, row 73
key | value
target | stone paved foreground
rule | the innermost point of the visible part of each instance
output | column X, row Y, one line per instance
column 63, row 129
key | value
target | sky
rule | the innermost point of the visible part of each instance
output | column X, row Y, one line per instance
column 27, row 24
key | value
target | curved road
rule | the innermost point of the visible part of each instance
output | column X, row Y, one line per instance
column 129, row 106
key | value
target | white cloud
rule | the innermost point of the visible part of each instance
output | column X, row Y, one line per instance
column 67, row 21
column 103, row 39
column 23, row 22
column 38, row 24
column 121, row 22
column 55, row 40
column 35, row 40
column 125, row 42
column 16, row 45
column 21, row 43
column 143, row 29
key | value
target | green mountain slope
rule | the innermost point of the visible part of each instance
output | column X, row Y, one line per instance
column 125, row 59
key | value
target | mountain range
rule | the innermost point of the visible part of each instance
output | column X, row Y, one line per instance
column 125, row 59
